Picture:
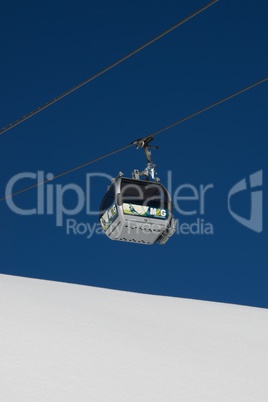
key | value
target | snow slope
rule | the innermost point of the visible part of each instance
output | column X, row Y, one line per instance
column 63, row 342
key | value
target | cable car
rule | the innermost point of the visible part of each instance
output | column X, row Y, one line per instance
column 137, row 211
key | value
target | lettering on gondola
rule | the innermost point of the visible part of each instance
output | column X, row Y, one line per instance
column 142, row 210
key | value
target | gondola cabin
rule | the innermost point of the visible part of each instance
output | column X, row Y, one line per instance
column 137, row 211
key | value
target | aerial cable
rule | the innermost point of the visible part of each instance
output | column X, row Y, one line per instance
column 66, row 172
column 190, row 116
column 116, row 63
column 139, row 141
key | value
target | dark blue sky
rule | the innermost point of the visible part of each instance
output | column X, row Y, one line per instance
column 48, row 47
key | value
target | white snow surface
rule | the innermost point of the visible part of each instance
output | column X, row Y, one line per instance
column 65, row 342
